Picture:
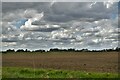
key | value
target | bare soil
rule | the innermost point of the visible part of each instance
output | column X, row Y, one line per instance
column 82, row 61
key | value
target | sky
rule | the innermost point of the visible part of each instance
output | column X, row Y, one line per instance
column 63, row 25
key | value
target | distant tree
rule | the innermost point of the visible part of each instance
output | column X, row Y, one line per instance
column 117, row 49
column 71, row 49
column 55, row 49
column 20, row 50
column 39, row 51
column 26, row 50
column 84, row 50
column 9, row 50
column 4, row 52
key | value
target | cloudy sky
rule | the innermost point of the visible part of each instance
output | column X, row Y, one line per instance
column 45, row 25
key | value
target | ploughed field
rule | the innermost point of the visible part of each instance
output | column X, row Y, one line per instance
column 75, row 61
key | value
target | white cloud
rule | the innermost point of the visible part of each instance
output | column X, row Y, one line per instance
column 63, row 25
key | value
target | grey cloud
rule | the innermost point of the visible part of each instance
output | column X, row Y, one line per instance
column 11, row 6
column 67, row 11
column 64, row 25
column 71, row 11
column 43, row 29
column 9, row 39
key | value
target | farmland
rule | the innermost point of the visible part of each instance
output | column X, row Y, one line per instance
column 73, row 62
column 13, row 72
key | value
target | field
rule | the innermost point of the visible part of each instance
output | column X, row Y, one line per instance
column 12, row 72
column 64, row 64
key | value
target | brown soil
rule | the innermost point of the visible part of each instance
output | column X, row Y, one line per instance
column 83, row 61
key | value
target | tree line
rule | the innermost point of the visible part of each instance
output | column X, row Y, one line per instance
column 64, row 50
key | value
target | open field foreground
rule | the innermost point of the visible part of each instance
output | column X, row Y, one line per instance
column 12, row 72
column 64, row 64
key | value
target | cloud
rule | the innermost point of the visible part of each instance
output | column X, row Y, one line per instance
column 9, row 38
column 71, row 11
column 62, row 25
column 60, row 11
column 41, row 28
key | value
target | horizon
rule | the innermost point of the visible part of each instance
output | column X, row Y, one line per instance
column 62, row 49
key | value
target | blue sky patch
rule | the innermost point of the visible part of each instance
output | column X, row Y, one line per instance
column 20, row 22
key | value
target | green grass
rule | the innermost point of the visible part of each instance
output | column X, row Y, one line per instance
column 16, row 72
